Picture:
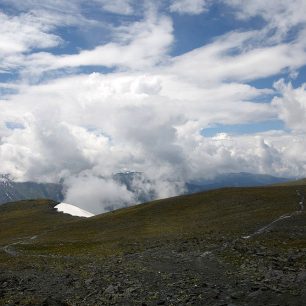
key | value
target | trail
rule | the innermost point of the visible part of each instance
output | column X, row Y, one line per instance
column 283, row 217
column 10, row 250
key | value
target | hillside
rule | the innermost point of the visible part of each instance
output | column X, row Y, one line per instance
column 300, row 182
column 242, row 246
column 11, row 191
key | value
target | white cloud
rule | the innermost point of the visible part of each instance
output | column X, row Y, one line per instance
column 140, row 45
column 291, row 105
column 50, row 5
column 281, row 15
column 98, row 195
column 98, row 117
column 24, row 32
column 123, row 7
column 192, row 7
column 114, row 108
column 234, row 57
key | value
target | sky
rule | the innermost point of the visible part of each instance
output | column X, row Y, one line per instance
column 178, row 90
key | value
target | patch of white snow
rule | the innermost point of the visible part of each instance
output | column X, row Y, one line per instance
column 73, row 210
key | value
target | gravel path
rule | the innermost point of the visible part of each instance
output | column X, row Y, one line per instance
column 281, row 218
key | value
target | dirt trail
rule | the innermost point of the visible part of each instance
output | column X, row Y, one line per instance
column 283, row 217
column 10, row 250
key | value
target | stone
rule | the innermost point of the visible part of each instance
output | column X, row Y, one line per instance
column 111, row 289
column 301, row 277
column 88, row 281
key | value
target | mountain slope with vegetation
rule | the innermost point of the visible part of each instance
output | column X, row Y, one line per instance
column 242, row 246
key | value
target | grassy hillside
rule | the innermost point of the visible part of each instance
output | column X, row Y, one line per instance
column 28, row 218
column 186, row 250
column 232, row 212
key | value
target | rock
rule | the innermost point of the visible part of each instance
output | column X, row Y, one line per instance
column 53, row 302
column 236, row 295
column 111, row 289
column 4, row 284
column 264, row 288
column 88, row 282
column 301, row 277
column 254, row 294
column 130, row 290
column 274, row 274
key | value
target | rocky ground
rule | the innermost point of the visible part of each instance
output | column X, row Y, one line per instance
column 189, row 272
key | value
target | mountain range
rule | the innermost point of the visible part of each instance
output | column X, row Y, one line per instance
column 11, row 191
column 241, row 179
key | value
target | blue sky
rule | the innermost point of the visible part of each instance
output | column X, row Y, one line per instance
column 176, row 89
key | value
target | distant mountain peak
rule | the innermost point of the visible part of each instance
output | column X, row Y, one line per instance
column 11, row 191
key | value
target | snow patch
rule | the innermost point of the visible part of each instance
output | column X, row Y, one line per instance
column 73, row 210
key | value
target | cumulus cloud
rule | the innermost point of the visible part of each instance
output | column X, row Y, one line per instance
column 147, row 113
column 113, row 123
column 119, row 122
column 22, row 33
column 291, row 105
column 98, row 195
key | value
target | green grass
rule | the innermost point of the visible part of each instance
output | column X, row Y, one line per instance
column 28, row 218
